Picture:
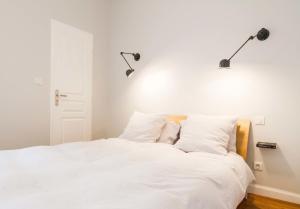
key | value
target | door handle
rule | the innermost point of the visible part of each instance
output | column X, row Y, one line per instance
column 57, row 97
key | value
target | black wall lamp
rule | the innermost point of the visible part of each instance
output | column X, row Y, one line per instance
column 136, row 57
column 262, row 35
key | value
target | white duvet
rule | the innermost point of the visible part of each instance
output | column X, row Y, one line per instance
column 119, row 174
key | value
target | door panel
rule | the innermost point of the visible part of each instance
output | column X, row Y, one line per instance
column 72, row 129
column 71, row 70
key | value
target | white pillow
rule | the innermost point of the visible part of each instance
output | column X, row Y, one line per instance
column 169, row 133
column 206, row 134
column 232, row 140
column 144, row 127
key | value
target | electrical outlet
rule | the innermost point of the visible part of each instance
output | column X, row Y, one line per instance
column 258, row 166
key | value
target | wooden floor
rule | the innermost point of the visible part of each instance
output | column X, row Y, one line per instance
column 259, row 202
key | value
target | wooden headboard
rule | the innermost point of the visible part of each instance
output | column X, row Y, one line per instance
column 242, row 134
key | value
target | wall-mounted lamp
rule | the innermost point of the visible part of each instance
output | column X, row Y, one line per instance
column 262, row 35
column 136, row 57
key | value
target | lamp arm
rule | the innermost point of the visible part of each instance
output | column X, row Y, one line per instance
column 250, row 38
column 127, row 53
column 122, row 54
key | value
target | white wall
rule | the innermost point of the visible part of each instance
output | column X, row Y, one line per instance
column 181, row 43
column 25, row 54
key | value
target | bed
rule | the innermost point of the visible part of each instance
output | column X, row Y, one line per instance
column 121, row 174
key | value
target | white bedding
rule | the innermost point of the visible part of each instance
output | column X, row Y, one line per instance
column 119, row 174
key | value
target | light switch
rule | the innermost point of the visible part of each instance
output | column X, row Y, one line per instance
column 259, row 120
column 38, row 81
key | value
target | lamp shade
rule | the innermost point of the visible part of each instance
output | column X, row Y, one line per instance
column 224, row 63
column 129, row 72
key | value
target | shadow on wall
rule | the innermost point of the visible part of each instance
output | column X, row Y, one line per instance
column 276, row 163
column 274, row 160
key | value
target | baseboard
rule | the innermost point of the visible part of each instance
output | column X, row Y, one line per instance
column 274, row 193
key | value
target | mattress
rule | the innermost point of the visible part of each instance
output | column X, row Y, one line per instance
column 120, row 174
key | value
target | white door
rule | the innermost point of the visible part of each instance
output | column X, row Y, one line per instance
column 71, row 83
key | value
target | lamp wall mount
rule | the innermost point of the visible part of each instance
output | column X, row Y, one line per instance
column 136, row 57
column 262, row 35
